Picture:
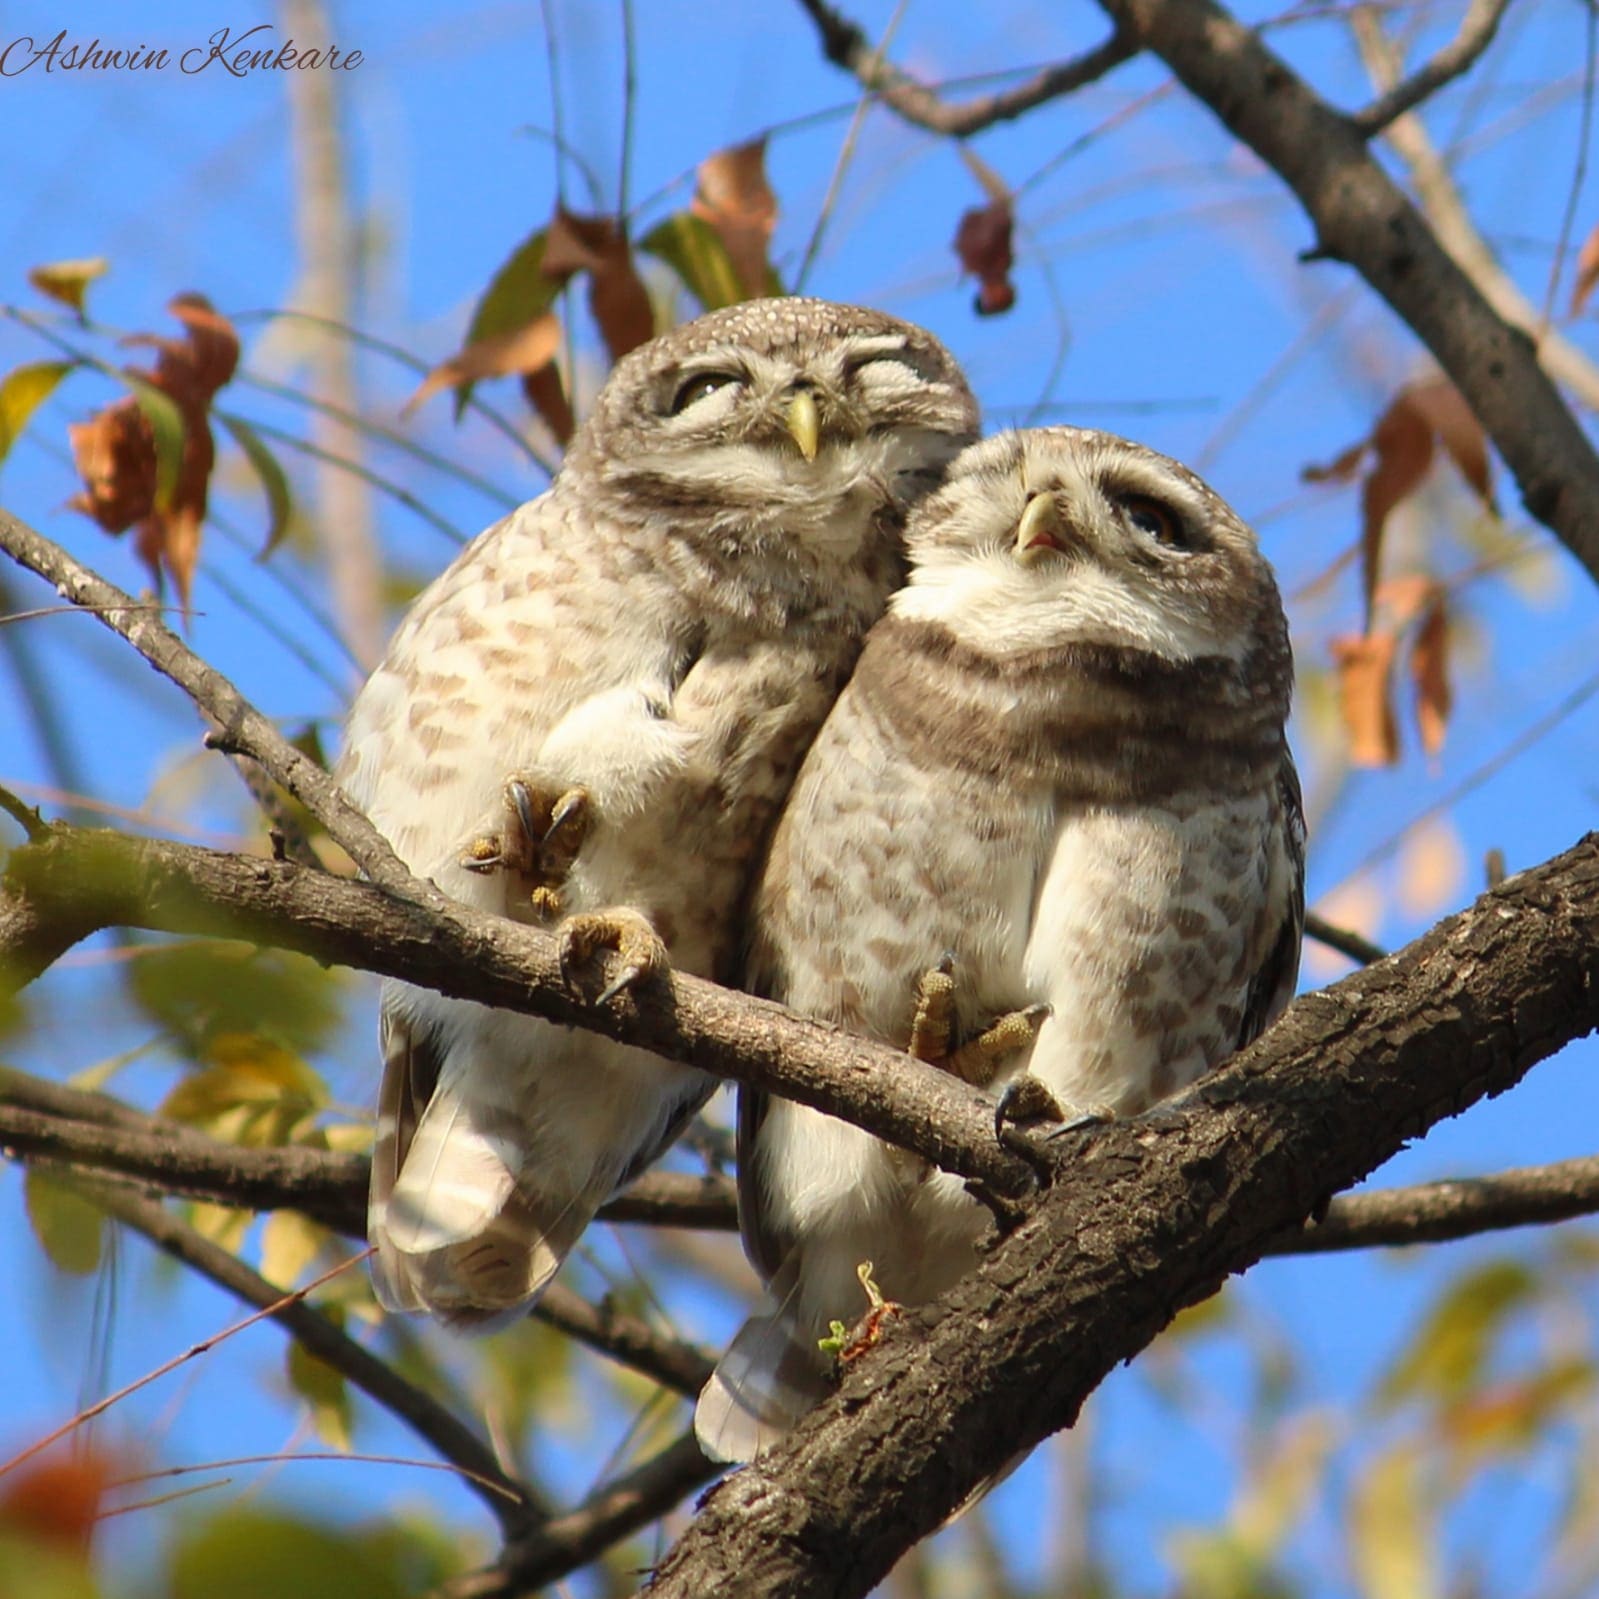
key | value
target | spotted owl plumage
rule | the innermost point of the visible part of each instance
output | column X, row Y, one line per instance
column 664, row 629
column 1062, row 760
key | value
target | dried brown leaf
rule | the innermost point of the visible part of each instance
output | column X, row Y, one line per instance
column 1341, row 469
column 523, row 349
column 1403, row 446
column 1429, row 672
column 546, row 393
column 1458, row 430
column 617, row 297
column 114, row 452
column 127, row 464
column 733, row 195
column 1587, row 272
column 1365, row 674
column 983, row 243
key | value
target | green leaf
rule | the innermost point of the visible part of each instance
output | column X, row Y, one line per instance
column 1449, row 1353
column 23, row 390
column 693, row 249
column 273, row 480
column 40, row 1569
column 516, row 294
column 64, row 1222
column 166, row 428
column 1390, row 1530
column 254, row 1554
column 323, row 1389
column 252, row 1091
column 196, row 991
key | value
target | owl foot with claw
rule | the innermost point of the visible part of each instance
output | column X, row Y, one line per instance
column 979, row 1059
column 619, row 928
column 536, row 843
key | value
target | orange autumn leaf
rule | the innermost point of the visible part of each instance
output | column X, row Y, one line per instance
column 1429, row 673
column 56, row 1499
column 617, row 297
column 733, row 195
column 1587, row 272
column 1456, row 427
column 523, row 349
column 146, row 460
column 1365, row 672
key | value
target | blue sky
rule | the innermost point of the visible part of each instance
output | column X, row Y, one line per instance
column 1158, row 286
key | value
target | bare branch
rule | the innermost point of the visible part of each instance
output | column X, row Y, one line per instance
column 1363, row 218
column 1459, row 1207
column 441, row 1431
column 1451, row 221
column 1477, row 30
column 244, row 730
column 85, row 879
column 68, row 1125
column 672, row 1363
column 610, row 1513
column 1343, row 939
column 846, row 46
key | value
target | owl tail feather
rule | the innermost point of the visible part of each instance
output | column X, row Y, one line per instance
column 770, row 1376
column 456, row 1227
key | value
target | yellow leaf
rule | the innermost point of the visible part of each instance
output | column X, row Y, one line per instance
column 1447, row 1356
column 1391, row 1545
column 23, row 391
column 68, row 281
column 324, row 1390
column 289, row 1243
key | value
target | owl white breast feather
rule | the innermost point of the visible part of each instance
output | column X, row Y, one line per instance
column 1062, row 761
column 649, row 648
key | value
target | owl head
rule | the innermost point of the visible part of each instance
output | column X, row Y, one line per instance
column 777, row 420
column 1062, row 536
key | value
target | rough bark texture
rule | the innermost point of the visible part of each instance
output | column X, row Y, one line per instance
column 1146, row 1217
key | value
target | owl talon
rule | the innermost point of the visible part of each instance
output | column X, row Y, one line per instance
column 934, row 1022
column 979, row 1059
column 622, row 929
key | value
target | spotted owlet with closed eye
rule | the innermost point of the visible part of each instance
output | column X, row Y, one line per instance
column 612, row 690
column 1061, row 762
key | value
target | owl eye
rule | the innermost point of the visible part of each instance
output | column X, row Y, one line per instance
column 698, row 387
column 1158, row 522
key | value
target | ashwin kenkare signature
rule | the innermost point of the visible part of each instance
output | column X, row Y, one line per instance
column 237, row 54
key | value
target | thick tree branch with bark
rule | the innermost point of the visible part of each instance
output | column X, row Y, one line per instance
column 1145, row 1217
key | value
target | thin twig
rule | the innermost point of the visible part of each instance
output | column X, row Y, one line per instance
column 247, row 731
column 846, row 46
column 1477, row 30
column 438, row 1428
column 1343, row 939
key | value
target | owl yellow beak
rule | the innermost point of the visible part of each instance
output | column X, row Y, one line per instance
column 1041, row 528
column 803, row 424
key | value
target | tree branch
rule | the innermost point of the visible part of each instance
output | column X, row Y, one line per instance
column 1451, row 222
column 1477, row 30
column 80, row 879
column 66, row 1124
column 846, row 46
column 242, row 730
column 1148, row 1216
column 610, row 1513
column 1362, row 217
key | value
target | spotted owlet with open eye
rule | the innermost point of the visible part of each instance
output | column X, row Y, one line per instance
column 1061, row 761
column 597, row 710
